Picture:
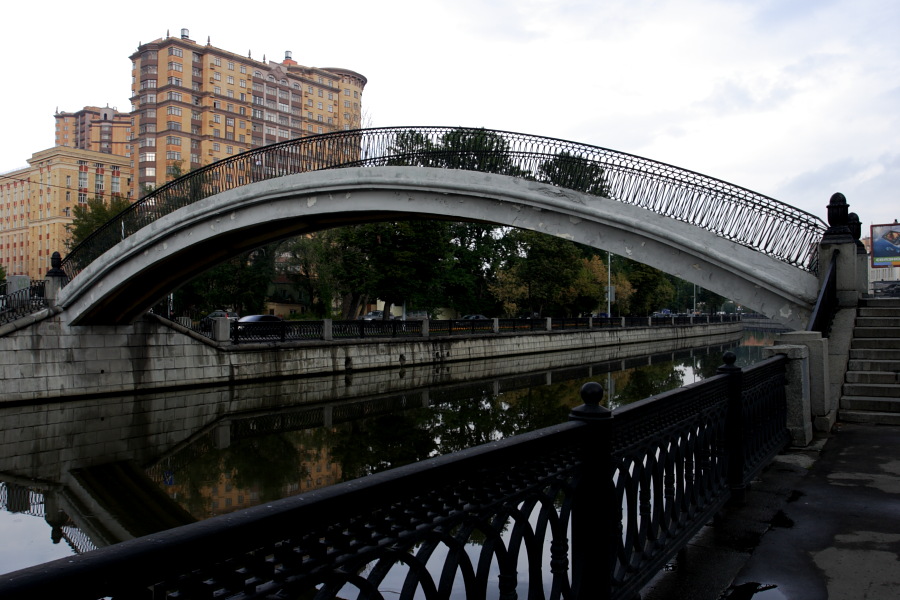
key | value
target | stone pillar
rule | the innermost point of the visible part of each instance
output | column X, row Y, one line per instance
column 823, row 403
column 425, row 328
column 54, row 280
column 838, row 240
column 549, row 324
column 862, row 256
column 221, row 329
column 796, row 390
column 327, row 330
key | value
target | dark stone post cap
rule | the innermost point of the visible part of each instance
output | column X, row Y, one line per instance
column 838, row 231
column 56, row 266
column 591, row 410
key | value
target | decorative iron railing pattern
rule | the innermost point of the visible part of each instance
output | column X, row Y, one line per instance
column 23, row 302
column 591, row 508
column 731, row 212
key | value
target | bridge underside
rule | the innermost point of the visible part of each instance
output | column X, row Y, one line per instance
column 128, row 279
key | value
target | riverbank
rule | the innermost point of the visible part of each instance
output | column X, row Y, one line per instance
column 53, row 360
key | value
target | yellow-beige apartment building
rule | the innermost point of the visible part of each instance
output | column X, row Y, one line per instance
column 193, row 104
column 93, row 128
column 36, row 203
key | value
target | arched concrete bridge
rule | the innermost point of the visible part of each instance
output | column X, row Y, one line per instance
column 747, row 247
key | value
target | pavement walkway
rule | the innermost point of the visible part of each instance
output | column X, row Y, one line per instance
column 821, row 522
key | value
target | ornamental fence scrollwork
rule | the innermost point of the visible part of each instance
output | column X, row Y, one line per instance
column 734, row 213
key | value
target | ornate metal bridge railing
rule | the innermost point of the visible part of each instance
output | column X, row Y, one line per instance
column 592, row 508
column 732, row 212
column 23, row 302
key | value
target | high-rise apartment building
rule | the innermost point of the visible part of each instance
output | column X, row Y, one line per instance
column 193, row 104
column 36, row 203
column 92, row 128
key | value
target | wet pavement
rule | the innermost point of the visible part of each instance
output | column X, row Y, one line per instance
column 822, row 522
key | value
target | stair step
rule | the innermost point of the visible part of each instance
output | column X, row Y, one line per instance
column 863, row 416
column 878, row 312
column 869, row 403
column 876, row 332
column 881, row 302
column 875, row 344
column 874, row 377
column 873, row 390
column 876, row 362
column 878, row 321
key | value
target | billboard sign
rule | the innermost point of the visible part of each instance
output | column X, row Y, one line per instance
column 886, row 245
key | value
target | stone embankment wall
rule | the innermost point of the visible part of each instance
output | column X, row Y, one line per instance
column 51, row 359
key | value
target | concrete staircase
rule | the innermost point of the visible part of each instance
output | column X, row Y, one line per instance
column 871, row 392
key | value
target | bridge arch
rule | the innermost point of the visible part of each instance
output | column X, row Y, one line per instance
column 138, row 270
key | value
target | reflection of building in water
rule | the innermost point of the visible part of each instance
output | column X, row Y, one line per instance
column 234, row 489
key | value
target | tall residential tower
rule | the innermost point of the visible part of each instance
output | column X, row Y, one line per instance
column 193, row 104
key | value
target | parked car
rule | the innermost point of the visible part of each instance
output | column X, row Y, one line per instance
column 374, row 315
column 206, row 322
column 260, row 325
column 474, row 317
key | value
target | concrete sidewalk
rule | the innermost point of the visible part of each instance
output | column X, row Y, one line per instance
column 820, row 523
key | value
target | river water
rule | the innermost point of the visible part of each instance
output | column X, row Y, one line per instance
column 67, row 479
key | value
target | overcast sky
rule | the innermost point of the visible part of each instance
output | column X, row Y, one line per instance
column 794, row 99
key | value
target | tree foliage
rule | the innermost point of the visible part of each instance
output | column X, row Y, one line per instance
column 87, row 218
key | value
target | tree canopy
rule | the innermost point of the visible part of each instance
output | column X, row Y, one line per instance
column 87, row 218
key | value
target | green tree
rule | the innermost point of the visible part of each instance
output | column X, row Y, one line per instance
column 542, row 273
column 239, row 283
column 476, row 150
column 576, row 173
column 89, row 217
column 652, row 289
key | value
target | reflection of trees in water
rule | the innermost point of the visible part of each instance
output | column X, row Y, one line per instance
column 267, row 464
column 271, row 466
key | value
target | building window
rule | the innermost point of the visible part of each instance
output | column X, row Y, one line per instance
column 216, row 146
column 243, row 68
column 175, row 66
column 149, row 171
column 148, row 84
column 174, row 125
column 173, row 51
column 115, row 184
column 147, row 157
column 173, row 140
column 198, row 57
column 172, row 155
column 82, row 197
column 173, row 110
column 98, row 184
column 175, row 81
column 217, row 61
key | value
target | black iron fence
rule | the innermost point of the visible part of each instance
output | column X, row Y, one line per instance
column 731, row 212
column 22, row 303
column 287, row 330
column 592, row 508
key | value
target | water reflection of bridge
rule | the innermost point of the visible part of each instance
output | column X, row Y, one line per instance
column 85, row 487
